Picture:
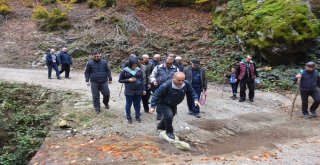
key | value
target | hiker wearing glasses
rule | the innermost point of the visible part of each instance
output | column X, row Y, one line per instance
column 132, row 77
column 195, row 75
column 161, row 74
column 98, row 76
column 168, row 96
column 309, row 81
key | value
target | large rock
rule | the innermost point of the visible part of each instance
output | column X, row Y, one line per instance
column 281, row 31
column 315, row 7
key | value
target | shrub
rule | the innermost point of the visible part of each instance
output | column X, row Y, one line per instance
column 51, row 20
column 40, row 12
column 100, row 3
column 48, row 1
column 28, row 3
column 4, row 7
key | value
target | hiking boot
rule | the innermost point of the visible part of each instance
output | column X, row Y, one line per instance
column 59, row 78
column 251, row 100
column 190, row 113
column 107, row 106
column 138, row 119
column 242, row 100
column 171, row 135
column 314, row 115
column 231, row 97
column 49, row 78
column 234, row 97
column 306, row 116
column 197, row 115
column 129, row 121
column 68, row 77
column 159, row 117
column 98, row 111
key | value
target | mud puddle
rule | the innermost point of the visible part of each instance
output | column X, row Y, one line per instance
column 249, row 132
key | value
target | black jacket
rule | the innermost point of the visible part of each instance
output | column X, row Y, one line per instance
column 168, row 95
column 98, row 71
column 309, row 80
column 132, row 88
column 204, row 81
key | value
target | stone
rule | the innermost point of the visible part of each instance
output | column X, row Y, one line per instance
column 63, row 124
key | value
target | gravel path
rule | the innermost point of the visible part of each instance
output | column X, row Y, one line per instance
column 229, row 131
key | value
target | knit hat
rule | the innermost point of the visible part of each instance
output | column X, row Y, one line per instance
column 195, row 61
column 133, row 61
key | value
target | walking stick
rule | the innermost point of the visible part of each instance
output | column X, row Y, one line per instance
column 120, row 89
column 294, row 99
column 224, row 80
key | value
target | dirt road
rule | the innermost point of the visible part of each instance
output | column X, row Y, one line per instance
column 228, row 132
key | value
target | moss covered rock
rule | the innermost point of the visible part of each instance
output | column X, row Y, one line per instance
column 315, row 7
column 280, row 30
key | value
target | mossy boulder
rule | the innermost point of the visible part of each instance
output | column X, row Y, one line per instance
column 315, row 7
column 281, row 31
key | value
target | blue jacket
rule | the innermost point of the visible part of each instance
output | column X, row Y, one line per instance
column 64, row 58
column 98, row 71
column 49, row 59
column 204, row 81
column 309, row 80
column 168, row 95
column 132, row 88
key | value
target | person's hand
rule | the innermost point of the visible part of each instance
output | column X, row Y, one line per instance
column 132, row 79
column 110, row 82
column 151, row 109
column 196, row 103
column 155, row 83
column 88, row 83
column 144, row 93
column 298, row 75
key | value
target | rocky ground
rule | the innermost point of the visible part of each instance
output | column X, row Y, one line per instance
column 229, row 132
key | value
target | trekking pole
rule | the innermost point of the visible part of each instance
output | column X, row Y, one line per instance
column 120, row 89
column 224, row 80
column 294, row 99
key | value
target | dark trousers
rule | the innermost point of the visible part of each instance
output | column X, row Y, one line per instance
column 66, row 68
column 159, row 111
column 145, row 100
column 55, row 67
column 243, row 87
column 168, row 114
column 96, row 88
column 190, row 101
column 136, row 101
column 234, row 87
column 304, row 98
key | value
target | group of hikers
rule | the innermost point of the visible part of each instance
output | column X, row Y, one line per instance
column 170, row 80
column 53, row 61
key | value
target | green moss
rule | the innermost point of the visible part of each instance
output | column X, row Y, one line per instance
column 270, row 22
